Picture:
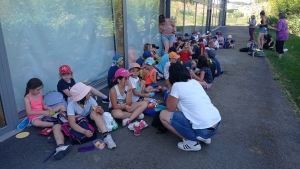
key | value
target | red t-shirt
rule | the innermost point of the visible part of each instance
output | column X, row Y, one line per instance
column 184, row 56
column 202, row 47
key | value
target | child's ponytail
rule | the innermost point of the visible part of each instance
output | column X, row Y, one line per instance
column 33, row 83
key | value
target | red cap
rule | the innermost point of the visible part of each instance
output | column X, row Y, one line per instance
column 65, row 69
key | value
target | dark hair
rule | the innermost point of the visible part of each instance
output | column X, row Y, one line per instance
column 178, row 73
column 200, row 40
column 262, row 12
column 115, row 82
column 202, row 62
column 82, row 101
column 282, row 15
column 179, row 38
column 33, row 83
column 172, row 49
column 193, row 42
column 161, row 18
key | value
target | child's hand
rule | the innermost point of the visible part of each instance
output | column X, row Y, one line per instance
column 146, row 72
column 147, row 95
column 192, row 73
column 98, row 109
column 127, row 107
column 190, row 58
column 88, row 133
column 47, row 113
column 129, row 85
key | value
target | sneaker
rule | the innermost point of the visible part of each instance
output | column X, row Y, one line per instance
column 152, row 94
column 125, row 122
column 137, row 129
column 105, row 100
column 285, row 50
column 141, row 116
column 62, row 151
column 206, row 141
column 143, row 125
column 188, row 145
column 109, row 142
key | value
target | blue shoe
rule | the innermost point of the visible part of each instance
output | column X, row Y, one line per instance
column 152, row 94
column 24, row 123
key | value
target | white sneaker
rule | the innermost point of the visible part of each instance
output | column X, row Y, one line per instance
column 285, row 50
column 143, row 125
column 109, row 142
column 125, row 122
column 141, row 116
column 188, row 145
column 62, row 151
column 206, row 141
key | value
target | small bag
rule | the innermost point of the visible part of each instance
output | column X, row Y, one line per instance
column 244, row 49
column 76, row 137
column 150, row 110
column 110, row 122
column 158, row 124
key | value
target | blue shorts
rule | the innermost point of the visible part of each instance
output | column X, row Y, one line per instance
column 262, row 30
column 154, row 85
column 168, row 39
column 183, row 126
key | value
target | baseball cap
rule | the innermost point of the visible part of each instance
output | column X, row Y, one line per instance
column 215, row 37
column 79, row 91
column 211, row 53
column 186, row 34
column 147, row 54
column 121, row 72
column 149, row 61
column 173, row 55
column 117, row 58
column 65, row 69
column 134, row 65
column 154, row 46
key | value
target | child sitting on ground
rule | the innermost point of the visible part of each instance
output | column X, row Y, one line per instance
column 229, row 42
column 66, row 82
column 84, row 105
column 34, row 105
column 142, row 59
column 121, row 105
column 138, row 86
column 149, row 75
column 205, row 72
column 117, row 63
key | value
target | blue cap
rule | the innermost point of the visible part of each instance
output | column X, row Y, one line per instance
column 149, row 61
column 117, row 57
column 186, row 34
column 146, row 54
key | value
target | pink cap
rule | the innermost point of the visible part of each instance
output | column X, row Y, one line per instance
column 121, row 72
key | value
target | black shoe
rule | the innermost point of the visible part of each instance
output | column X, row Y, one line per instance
column 105, row 100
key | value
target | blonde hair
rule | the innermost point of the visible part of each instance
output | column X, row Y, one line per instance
column 147, row 46
column 252, row 16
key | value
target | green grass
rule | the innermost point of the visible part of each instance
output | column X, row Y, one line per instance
column 287, row 69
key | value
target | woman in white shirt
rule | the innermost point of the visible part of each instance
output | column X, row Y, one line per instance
column 190, row 113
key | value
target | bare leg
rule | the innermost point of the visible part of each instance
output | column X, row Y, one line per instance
column 39, row 123
column 58, row 135
column 165, row 119
column 119, row 114
column 137, row 108
column 100, row 123
column 96, row 92
column 142, row 86
column 167, row 46
column 258, row 40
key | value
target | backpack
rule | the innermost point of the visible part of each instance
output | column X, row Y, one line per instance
column 158, row 124
column 54, row 98
column 76, row 137
column 244, row 49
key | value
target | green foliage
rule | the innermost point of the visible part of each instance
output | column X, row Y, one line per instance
column 272, row 21
column 230, row 10
column 294, row 24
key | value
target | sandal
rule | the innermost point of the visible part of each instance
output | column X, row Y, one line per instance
column 46, row 131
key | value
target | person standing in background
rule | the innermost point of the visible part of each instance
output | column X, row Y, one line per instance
column 282, row 34
column 262, row 29
column 167, row 29
column 252, row 24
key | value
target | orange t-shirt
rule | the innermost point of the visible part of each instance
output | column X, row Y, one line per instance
column 151, row 74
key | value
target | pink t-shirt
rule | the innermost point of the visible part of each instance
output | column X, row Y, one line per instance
column 36, row 105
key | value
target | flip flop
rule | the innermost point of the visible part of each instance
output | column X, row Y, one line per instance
column 24, row 123
column 22, row 135
column 86, row 148
column 45, row 131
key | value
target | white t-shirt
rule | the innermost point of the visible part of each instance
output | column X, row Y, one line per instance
column 217, row 44
column 75, row 109
column 135, row 85
column 195, row 104
column 166, row 70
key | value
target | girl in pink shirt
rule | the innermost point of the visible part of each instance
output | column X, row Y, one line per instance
column 34, row 106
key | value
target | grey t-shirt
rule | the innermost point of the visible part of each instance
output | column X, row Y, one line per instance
column 75, row 109
column 252, row 23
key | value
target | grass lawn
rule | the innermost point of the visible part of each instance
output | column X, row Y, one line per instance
column 287, row 69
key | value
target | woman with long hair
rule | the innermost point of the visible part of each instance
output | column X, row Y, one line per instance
column 262, row 29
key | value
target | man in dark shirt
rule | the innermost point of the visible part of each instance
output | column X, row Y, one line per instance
column 269, row 44
column 196, row 50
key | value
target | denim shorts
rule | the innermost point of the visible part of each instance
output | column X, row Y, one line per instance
column 184, row 127
column 154, row 85
column 168, row 39
column 262, row 30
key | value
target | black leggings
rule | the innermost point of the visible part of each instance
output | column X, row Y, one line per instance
column 279, row 46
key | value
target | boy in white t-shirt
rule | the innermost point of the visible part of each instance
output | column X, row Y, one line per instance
column 138, row 86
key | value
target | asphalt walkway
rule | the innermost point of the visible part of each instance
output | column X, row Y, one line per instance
column 258, row 128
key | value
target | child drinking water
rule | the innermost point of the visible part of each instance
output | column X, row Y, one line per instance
column 121, row 104
column 34, row 106
column 84, row 105
column 205, row 72
column 66, row 82
column 138, row 86
column 149, row 75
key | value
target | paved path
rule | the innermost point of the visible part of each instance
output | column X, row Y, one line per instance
column 258, row 129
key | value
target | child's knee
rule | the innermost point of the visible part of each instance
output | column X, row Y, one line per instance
column 56, row 127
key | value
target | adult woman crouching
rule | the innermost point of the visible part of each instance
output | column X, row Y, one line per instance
column 190, row 113
column 282, row 34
